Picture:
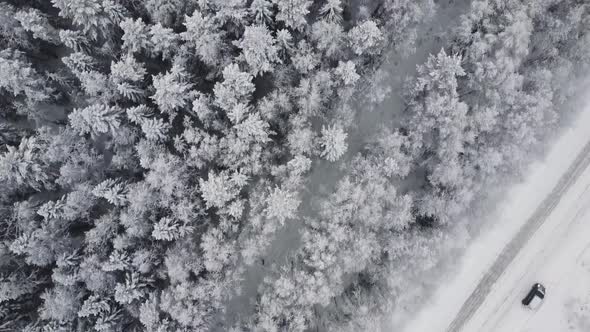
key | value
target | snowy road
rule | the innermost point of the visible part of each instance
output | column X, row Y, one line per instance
column 542, row 224
column 521, row 239
column 550, row 258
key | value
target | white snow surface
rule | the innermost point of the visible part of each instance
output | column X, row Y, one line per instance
column 557, row 255
column 554, row 258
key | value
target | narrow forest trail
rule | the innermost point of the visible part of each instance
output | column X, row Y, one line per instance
column 324, row 175
column 397, row 66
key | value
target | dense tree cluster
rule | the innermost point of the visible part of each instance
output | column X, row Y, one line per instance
column 152, row 153
column 472, row 115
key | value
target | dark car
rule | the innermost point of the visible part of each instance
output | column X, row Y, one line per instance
column 535, row 296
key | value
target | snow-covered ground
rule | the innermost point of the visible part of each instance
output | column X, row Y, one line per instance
column 553, row 255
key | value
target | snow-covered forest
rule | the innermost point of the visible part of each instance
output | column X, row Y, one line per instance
column 229, row 165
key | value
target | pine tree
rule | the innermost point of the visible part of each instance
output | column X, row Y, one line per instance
column 95, row 17
column 21, row 166
column 261, row 10
column 33, row 21
column 333, row 142
column 329, row 37
column 130, row 291
column 332, row 10
column 95, row 120
column 17, row 77
column 218, row 189
column 203, row 34
column 94, row 306
column 172, row 90
column 365, row 38
column 155, row 129
column 347, row 72
column 293, row 12
column 61, row 304
column 437, row 106
column 168, row 229
column 127, row 75
column 136, row 35
column 259, row 49
column 236, row 87
column 281, row 204
column 163, row 40
column 114, row 192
